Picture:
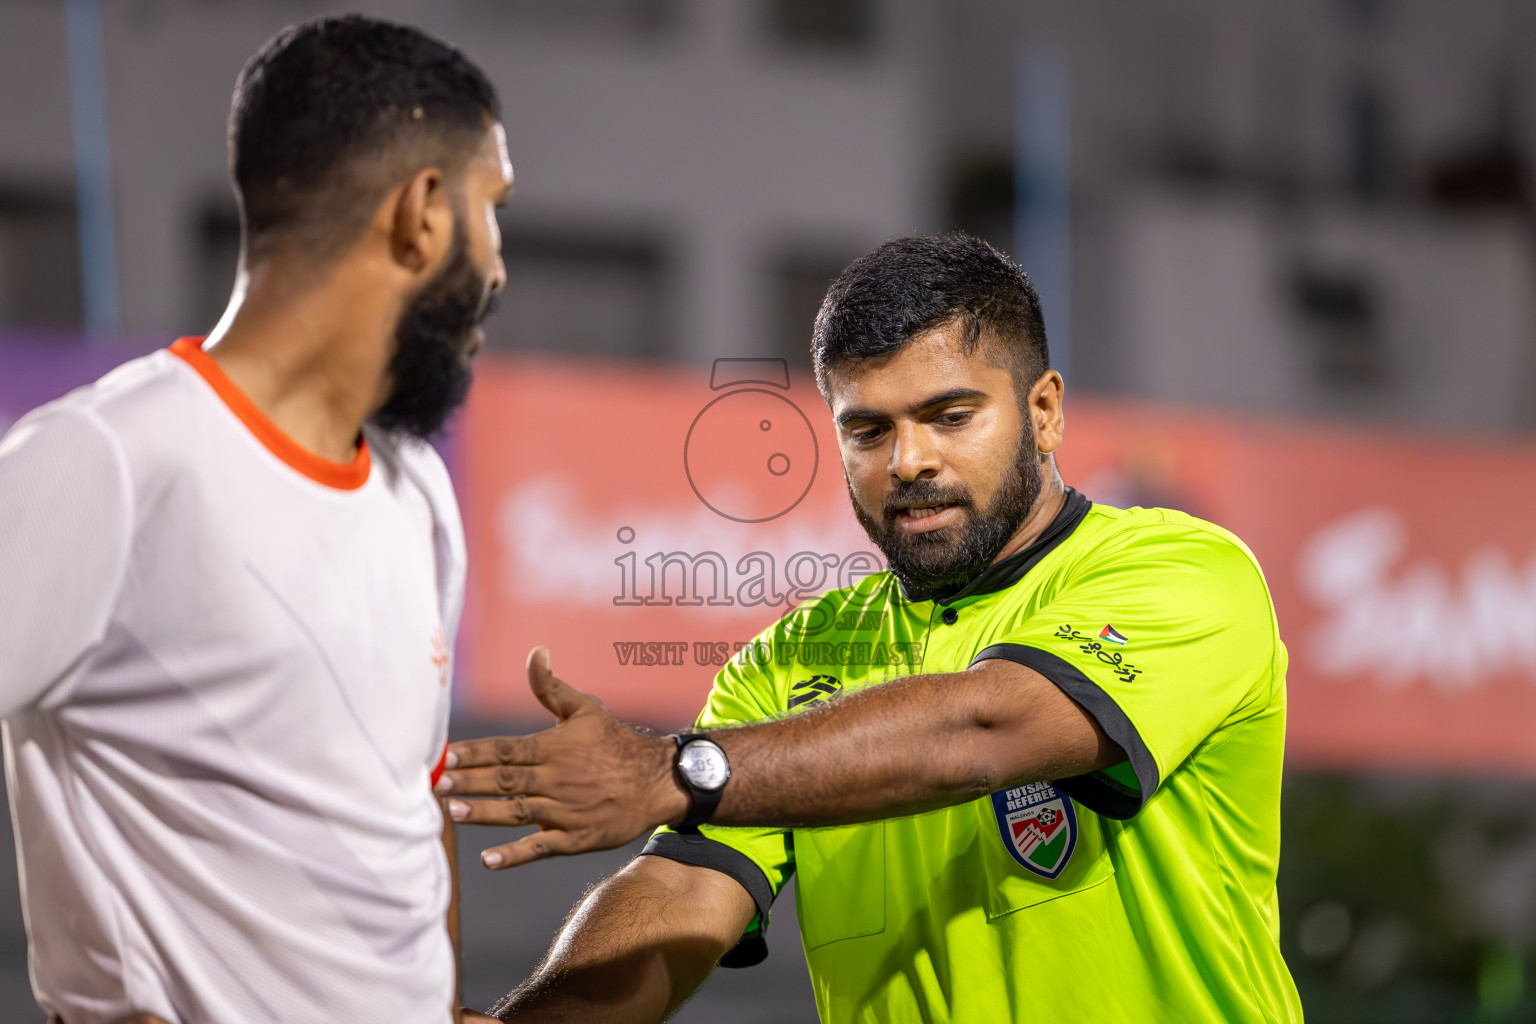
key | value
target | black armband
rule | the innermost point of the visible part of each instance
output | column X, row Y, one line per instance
column 701, row 851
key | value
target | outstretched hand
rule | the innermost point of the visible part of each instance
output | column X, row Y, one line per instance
column 590, row 783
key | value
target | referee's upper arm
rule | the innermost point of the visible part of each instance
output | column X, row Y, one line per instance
column 1028, row 726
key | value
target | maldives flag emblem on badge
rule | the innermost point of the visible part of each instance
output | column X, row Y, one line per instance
column 1038, row 826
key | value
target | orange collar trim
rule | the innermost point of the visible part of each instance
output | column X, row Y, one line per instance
column 346, row 476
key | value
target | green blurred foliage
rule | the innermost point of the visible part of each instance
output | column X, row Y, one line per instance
column 1410, row 899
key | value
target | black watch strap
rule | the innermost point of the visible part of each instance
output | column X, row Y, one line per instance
column 701, row 802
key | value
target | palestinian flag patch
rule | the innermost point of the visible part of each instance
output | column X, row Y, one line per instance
column 1111, row 635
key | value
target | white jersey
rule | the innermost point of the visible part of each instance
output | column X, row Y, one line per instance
column 223, row 671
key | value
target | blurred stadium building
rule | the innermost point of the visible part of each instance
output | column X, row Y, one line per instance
column 1301, row 262
column 1288, row 206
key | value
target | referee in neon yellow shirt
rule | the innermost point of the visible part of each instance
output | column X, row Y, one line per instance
column 1031, row 773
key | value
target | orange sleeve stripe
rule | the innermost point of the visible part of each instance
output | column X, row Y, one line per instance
column 346, row 476
column 442, row 763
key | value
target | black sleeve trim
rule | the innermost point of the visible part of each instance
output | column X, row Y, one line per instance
column 1095, row 791
column 701, row 851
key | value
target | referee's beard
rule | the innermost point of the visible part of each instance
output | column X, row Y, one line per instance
column 434, row 341
column 940, row 563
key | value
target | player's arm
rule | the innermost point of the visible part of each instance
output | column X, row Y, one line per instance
column 65, row 519
column 635, row 948
column 911, row 745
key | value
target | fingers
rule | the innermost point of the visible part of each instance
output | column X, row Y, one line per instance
column 539, row 845
column 561, row 700
column 501, row 780
column 495, row 750
column 517, row 810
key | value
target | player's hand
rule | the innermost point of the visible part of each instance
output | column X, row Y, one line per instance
column 590, row 783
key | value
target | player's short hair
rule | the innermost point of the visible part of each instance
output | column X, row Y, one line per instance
column 332, row 113
column 884, row 299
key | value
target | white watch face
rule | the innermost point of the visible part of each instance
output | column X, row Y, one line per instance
column 704, row 764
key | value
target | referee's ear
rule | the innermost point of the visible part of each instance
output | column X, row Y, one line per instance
column 562, row 700
column 1044, row 406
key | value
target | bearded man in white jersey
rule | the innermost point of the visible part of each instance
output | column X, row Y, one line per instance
column 231, row 572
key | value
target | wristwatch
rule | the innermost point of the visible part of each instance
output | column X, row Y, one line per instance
column 702, row 770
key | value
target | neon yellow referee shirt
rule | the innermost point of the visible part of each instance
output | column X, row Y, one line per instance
column 1144, row 893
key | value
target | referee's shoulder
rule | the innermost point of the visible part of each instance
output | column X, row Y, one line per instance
column 1139, row 532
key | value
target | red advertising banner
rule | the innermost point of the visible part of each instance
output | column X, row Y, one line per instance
column 644, row 523
column 1403, row 568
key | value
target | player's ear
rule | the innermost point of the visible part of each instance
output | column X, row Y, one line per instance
column 1044, row 408
column 421, row 227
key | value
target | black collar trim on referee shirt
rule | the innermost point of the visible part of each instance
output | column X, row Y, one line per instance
column 1013, row 568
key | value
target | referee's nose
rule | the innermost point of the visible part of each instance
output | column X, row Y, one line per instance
column 914, row 455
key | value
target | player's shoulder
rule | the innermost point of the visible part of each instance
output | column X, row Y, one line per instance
column 116, row 385
column 399, row 450
column 102, row 413
column 153, row 394
column 415, row 464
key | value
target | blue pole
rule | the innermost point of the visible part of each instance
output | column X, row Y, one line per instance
column 1042, row 217
column 93, row 167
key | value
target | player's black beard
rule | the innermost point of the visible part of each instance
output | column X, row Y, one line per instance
column 431, row 366
column 938, row 564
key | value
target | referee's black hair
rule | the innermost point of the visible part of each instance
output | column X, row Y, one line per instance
column 910, row 285
column 332, row 113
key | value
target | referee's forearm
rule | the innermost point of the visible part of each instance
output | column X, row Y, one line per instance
column 905, row 747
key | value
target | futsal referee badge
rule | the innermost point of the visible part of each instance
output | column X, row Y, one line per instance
column 1038, row 826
